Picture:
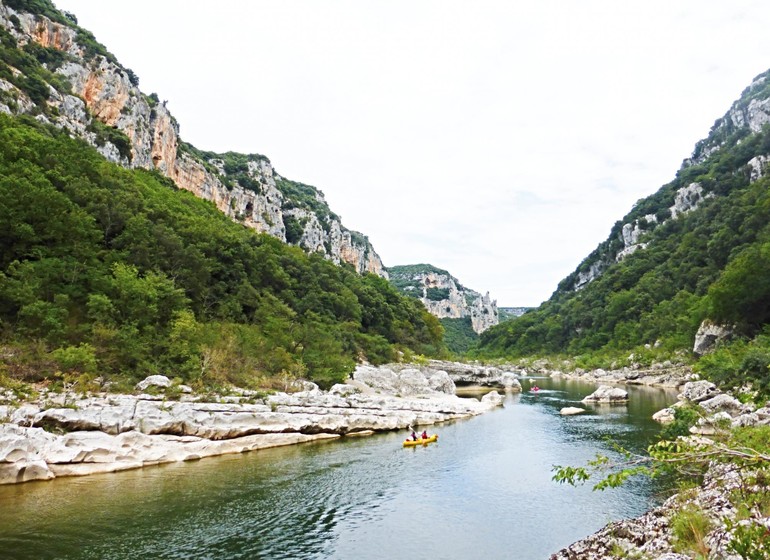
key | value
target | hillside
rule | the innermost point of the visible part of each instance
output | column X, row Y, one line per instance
column 463, row 312
column 698, row 249
column 134, row 276
column 54, row 70
column 126, row 251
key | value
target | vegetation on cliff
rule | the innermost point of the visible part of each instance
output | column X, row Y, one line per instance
column 116, row 272
column 712, row 262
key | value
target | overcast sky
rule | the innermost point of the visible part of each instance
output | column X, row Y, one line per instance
column 497, row 139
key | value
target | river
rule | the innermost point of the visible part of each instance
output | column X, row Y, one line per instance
column 483, row 491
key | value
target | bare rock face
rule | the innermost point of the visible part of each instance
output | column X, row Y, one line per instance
column 631, row 234
column 709, row 335
column 759, row 167
column 724, row 403
column 407, row 381
column 444, row 296
column 106, row 93
column 687, row 199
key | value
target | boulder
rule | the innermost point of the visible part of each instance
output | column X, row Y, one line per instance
column 697, row 391
column 343, row 390
column 607, row 394
column 153, row 381
column 709, row 335
column 725, row 403
column 749, row 419
column 493, row 398
column 571, row 411
column 665, row 416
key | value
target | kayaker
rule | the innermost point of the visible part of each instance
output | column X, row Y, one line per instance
column 414, row 436
column 425, row 434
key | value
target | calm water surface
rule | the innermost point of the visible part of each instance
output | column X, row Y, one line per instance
column 483, row 491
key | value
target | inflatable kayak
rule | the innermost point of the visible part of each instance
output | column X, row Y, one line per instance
column 420, row 441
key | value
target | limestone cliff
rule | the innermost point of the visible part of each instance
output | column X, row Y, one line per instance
column 749, row 114
column 443, row 296
column 60, row 75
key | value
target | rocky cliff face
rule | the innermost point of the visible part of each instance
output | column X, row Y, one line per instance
column 95, row 98
column 747, row 115
column 444, row 297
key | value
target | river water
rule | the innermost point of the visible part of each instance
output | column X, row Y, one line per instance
column 483, row 491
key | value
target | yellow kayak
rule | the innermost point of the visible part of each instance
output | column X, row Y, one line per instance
column 420, row 441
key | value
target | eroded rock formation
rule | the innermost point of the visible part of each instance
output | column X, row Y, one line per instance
column 103, row 93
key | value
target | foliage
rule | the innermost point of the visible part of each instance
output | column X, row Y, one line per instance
column 459, row 335
column 39, row 8
column 32, row 77
column 299, row 195
column 750, row 541
column 740, row 362
column 684, row 418
column 712, row 262
column 145, row 278
column 743, row 450
column 437, row 294
column 294, row 229
column 407, row 278
column 690, row 525
column 117, row 138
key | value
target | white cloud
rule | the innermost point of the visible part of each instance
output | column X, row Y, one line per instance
column 499, row 140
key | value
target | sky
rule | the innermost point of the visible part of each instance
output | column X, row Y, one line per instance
column 497, row 139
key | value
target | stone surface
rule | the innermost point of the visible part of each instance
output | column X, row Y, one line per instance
column 477, row 375
column 607, row 394
column 459, row 302
column 724, row 403
column 697, row 391
column 709, row 335
column 651, row 535
column 153, row 381
column 664, row 416
column 571, row 411
column 493, row 398
column 106, row 433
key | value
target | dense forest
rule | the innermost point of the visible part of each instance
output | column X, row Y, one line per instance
column 712, row 262
column 118, row 273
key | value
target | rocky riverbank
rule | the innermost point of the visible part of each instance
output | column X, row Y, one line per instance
column 714, row 505
column 665, row 374
column 68, row 434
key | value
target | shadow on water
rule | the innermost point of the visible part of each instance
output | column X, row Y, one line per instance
column 483, row 490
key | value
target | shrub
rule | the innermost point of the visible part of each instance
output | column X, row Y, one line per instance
column 690, row 525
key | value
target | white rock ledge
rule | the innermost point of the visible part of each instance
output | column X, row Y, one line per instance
column 67, row 435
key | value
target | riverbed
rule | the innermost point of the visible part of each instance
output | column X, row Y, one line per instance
column 484, row 490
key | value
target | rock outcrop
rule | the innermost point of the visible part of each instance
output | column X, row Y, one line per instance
column 709, row 335
column 68, row 434
column 478, row 375
column 665, row 374
column 102, row 104
column 443, row 296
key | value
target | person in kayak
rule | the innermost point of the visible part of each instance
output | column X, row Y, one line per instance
column 424, row 434
column 414, row 436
